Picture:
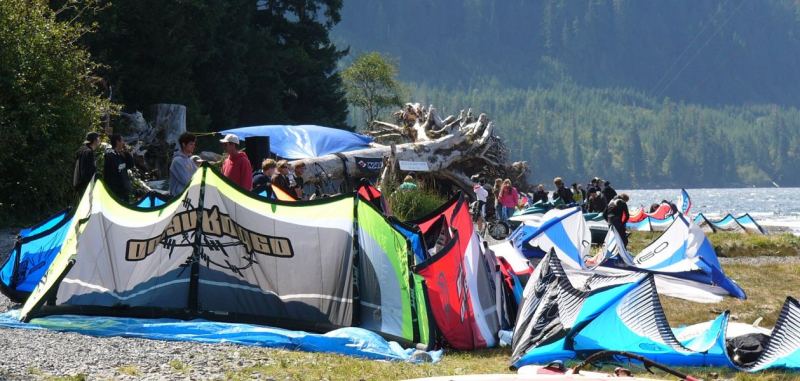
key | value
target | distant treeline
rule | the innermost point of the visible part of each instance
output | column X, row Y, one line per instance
column 709, row 52
column 646, row 93
column 632, row 139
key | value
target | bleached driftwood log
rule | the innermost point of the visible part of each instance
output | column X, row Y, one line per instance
column 454, row 148
column 153, row 144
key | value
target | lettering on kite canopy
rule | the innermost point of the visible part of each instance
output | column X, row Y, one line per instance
column 645, row 256
column 215, row 224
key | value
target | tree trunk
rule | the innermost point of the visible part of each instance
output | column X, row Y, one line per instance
column 154, row 143
column 454, row 149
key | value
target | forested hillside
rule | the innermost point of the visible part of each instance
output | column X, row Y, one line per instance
column 636, row 140
column 649, row 93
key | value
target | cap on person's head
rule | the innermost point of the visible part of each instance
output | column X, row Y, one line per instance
column 474, row 178
column 607, row 183
column 230, row 138
column 91, row 137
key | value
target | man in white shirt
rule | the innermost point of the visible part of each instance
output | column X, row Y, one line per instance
column 479, row 212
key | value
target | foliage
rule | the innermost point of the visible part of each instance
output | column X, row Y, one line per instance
column 371, row 84
column 231, row 63
column 409, row 205
column 47, row 104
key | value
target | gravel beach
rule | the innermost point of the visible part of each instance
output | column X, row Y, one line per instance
column 42, row 354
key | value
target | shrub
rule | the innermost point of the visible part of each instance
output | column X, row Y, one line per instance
column 412, row 204
column 47, row 104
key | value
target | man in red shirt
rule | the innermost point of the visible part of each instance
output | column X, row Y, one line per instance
column 236, row 166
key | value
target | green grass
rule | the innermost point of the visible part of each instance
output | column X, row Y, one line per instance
column 179, row 366
column 767, row 287
column 289, row 365
column 413, row 204
column 729, row 244
column 130, row 370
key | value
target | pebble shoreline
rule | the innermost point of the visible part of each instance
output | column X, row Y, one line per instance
column 42, row 354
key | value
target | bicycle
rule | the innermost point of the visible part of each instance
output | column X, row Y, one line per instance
column 497, row 229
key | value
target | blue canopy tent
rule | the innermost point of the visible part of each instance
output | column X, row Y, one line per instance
column 304, row 141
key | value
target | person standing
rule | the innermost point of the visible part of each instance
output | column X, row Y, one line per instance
column 577, row 196
column 540, row 195
column 479, row 213
column 182, row 167
column 617, row 215
column 561, row 191
column 236, row 166
column 499, row 212
column 597, row 202
column 608, row 191
column 593, row 186
column 116, row 163
column 85, row 166
column 509, row 197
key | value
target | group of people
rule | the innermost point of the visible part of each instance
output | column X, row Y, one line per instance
column 503, row 196
column 597, row 197
column 116, row 163
column 235, row 166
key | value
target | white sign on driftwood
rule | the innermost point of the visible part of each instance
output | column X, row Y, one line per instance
column 415, row 166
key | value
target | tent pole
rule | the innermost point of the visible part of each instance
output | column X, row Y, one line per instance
column 194, row 277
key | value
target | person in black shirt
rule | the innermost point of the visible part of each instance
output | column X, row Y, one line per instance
column 117, row 162
column 262, row 180
column 299, row 169
column 562, row 192
column 281, row 179
column 593, row 186
column 617, row 215
column 540, row 194
column 85, row 167
column 608, row 191
column 597, row 202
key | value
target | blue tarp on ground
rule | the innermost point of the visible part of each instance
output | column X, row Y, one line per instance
column 304, row 141
column 357, row 342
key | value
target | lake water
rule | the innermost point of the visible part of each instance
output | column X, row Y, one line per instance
column 768, row 206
